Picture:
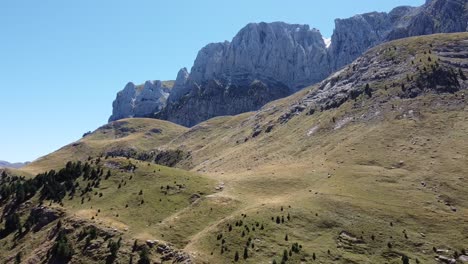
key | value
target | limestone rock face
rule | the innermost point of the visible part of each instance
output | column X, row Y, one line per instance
column 220, row 97
column 353, row 36
column 180, row 88
column 294, row 55
column 140, row 100
column 267, row 61
column 264, row 62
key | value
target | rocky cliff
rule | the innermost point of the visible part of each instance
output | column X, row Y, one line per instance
column 267, row 61
column 355, row 35
column 140, row 100
column 264, row 61
column 294, row 55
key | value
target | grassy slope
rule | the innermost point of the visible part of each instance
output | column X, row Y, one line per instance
column 136, row 133
column 350, row 173
column 362, row 175
column 363, row 193
column 120, row 209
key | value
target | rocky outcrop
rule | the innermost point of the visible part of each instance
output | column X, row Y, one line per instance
column 293, row 55
column 140, row 100
column 264, row 62
column 180, row 86
column 267, row 61
column 220, row 97
column 392, row 71
column 353, row 36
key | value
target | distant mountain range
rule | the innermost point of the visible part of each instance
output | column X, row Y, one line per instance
column 16, row 165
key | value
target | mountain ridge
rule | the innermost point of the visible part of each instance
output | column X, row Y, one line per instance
column 14, row 165
column 267, row 61
column 352, row 174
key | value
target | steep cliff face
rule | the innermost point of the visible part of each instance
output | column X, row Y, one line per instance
column 140, row 100
column 264, row 62
column 218, row 97
column 294, row 55
column 267, row 61
column 357, row 34
column 353, row 36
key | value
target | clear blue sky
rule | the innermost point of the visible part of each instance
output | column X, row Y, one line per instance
column 62, row 62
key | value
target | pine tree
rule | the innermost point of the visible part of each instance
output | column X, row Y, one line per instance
column 135, row 246
column 12, row 223
column 62, row 249
column 113, row 248
column 20, row 194
column 18, row 258
column 462, row 75
column 236, row 256
column 368, row 90
column 144, row 256
column 246, row 253
column 285, row 255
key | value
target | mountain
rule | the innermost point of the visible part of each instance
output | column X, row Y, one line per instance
column 16, row 165
column 366, row 166
column 141, row 100
column 268, row 61
column 355, row 35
